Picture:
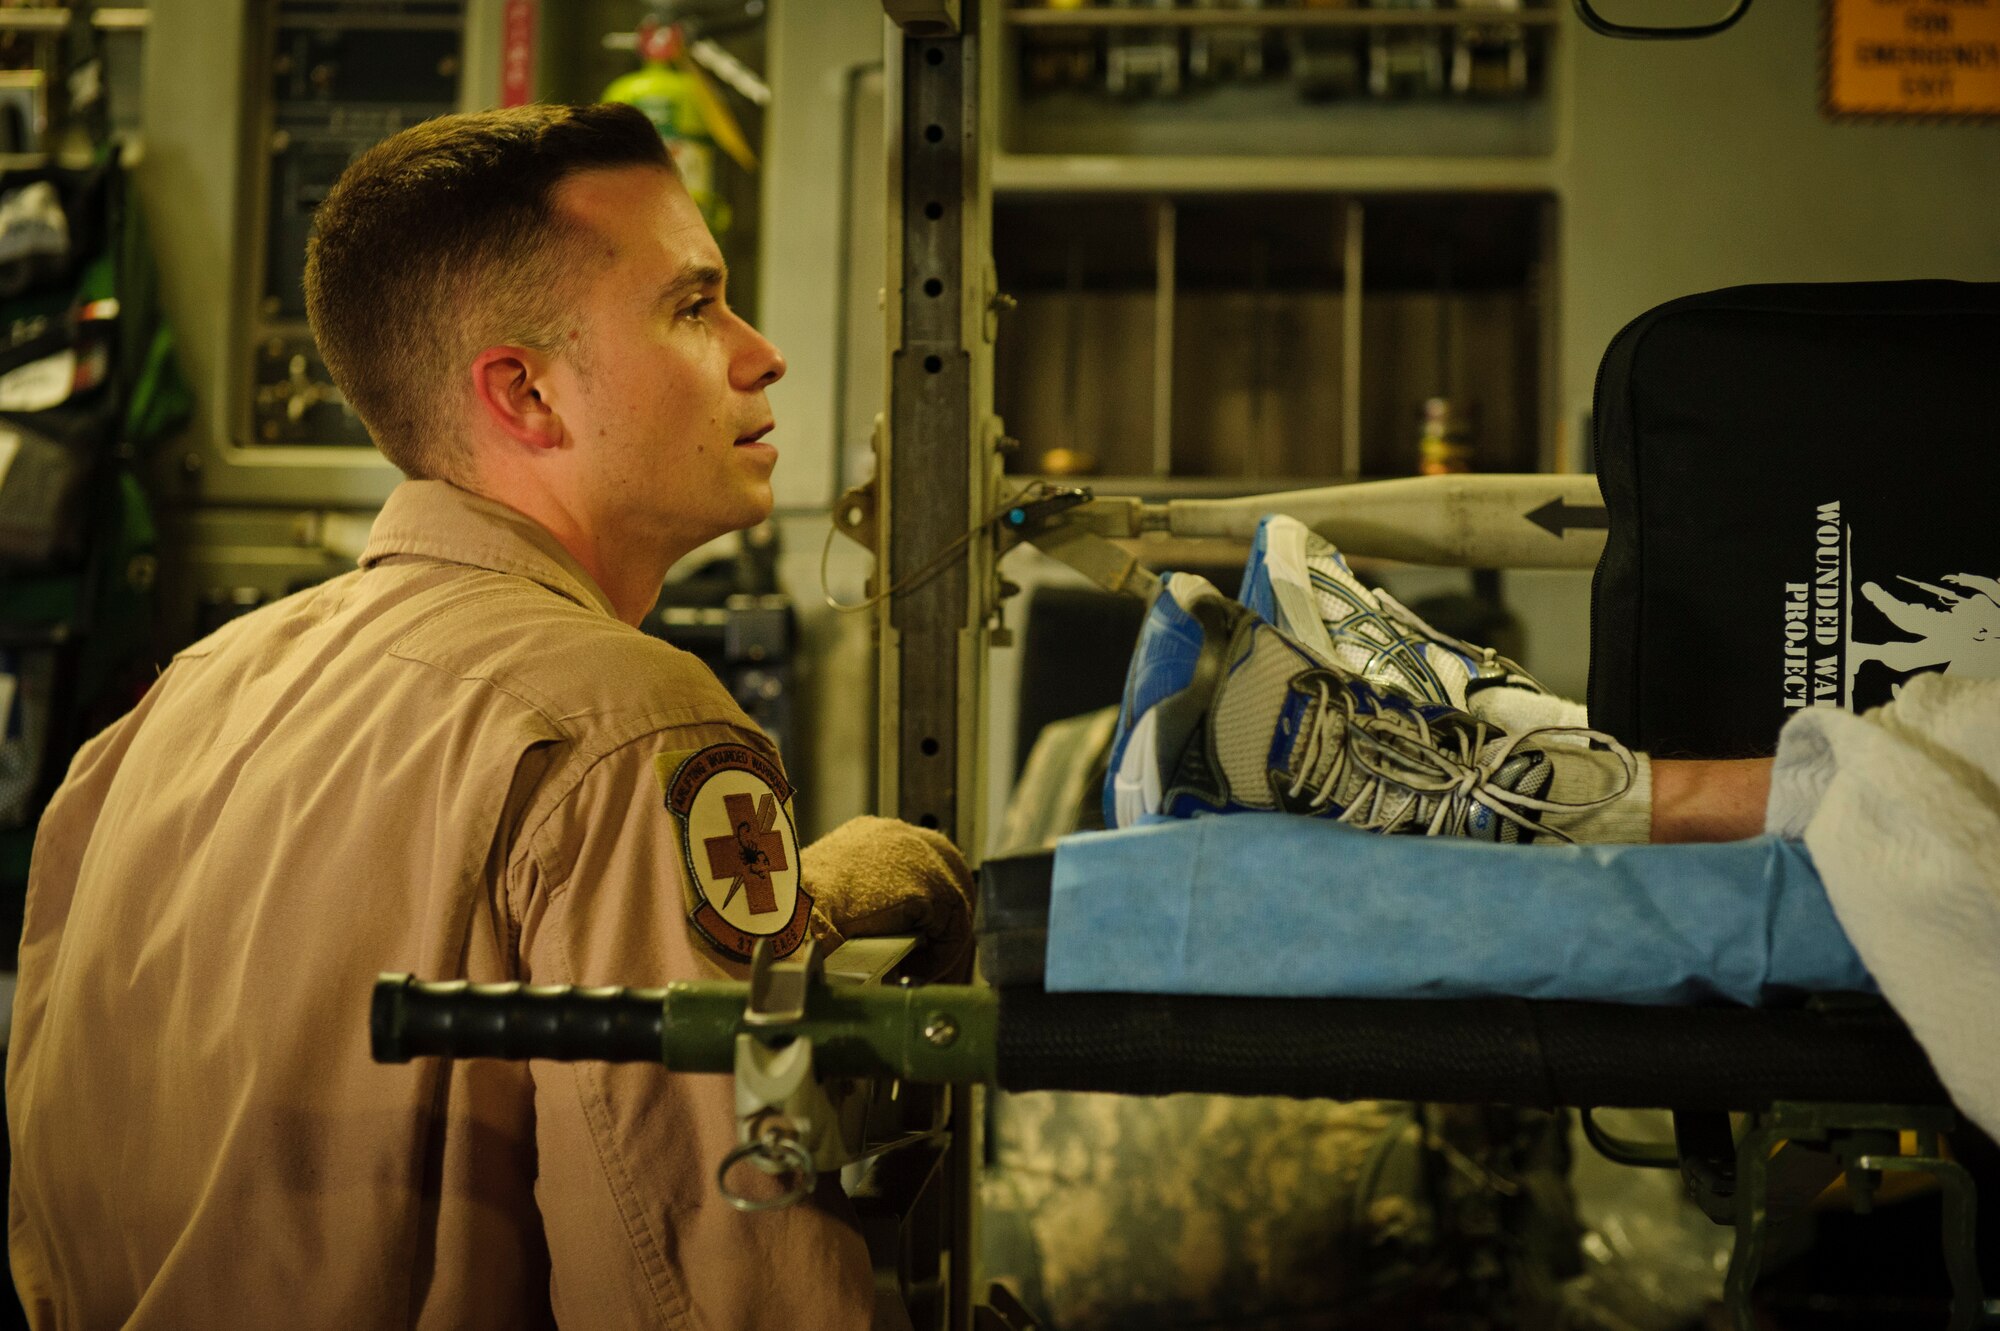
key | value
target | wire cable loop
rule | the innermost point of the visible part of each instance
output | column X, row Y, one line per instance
column 927, row 571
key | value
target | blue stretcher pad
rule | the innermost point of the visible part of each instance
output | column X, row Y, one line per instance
column 1273, row 905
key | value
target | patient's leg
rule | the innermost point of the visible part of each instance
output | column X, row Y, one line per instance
column 1710, row 801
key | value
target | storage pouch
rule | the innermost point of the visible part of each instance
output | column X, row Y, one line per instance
column 1801, row 484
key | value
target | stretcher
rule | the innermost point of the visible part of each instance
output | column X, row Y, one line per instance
column 1831, row 1085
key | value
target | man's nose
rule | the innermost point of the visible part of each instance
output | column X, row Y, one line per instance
column 759, row 364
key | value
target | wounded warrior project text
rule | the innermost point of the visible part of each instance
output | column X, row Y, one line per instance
column 1813, row 615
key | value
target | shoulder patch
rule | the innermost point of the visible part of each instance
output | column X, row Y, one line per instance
column 741, row 847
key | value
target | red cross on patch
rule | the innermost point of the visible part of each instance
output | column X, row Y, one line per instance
column 750, row 854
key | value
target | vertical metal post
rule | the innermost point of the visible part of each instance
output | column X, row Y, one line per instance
column 938, row 473
column 1351, row 296
column 1545, row 295
column 1165, row 252
column 935, row 478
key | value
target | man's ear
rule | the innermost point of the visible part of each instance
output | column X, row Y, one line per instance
column 508, row 384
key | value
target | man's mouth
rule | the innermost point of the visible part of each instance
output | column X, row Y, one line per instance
column 757, row 435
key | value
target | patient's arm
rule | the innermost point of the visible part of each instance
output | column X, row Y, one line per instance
column 1709, row 801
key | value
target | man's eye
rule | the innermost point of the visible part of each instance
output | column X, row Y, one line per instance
column 699, row 308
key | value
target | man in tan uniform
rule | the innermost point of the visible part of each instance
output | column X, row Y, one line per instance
column 460, row 760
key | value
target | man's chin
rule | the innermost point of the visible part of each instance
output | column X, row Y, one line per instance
column 758, row 506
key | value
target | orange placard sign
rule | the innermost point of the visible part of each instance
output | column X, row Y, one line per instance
column 1919, row 58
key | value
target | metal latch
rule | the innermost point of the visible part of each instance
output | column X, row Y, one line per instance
column 792, row 1124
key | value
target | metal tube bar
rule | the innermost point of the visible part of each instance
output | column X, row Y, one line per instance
column 1467, row 521
column 921, row 1033
column 1483, row 520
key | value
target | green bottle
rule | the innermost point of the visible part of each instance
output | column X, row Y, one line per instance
column 668, row 97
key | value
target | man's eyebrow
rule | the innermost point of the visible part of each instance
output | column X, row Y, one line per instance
column 691, row 280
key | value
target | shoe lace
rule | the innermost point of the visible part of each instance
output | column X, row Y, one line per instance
column 1403, row 762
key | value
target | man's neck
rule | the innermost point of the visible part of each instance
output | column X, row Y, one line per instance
column 627, row 576
column 625, row 570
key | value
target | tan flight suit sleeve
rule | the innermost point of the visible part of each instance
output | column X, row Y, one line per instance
column 61, row 838
column 637, row 1234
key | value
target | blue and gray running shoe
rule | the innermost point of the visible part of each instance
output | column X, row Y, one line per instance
column 1225, row 714
column 1298, row 582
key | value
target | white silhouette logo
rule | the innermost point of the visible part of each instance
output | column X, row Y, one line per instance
column 1963, row 637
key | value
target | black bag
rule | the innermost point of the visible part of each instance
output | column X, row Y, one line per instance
column 1801, row 483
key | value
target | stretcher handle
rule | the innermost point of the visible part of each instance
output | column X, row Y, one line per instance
column 569, row 1023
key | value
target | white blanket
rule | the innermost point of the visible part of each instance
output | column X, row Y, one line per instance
column 1900, row 808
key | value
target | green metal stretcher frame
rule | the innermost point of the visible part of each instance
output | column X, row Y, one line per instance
column 805, row 1043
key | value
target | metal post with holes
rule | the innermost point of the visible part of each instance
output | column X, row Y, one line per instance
column 938, row 470
column 936, row 480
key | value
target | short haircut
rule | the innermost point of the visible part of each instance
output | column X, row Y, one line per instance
column 445, row 239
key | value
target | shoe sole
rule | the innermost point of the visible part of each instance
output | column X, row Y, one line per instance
column 1163, row 736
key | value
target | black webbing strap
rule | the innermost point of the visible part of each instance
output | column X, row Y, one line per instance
column 1476, row 1051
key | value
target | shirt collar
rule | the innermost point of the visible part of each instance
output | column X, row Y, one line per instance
column 437, row 520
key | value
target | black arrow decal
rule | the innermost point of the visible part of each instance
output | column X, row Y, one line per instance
column 1557, row 517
